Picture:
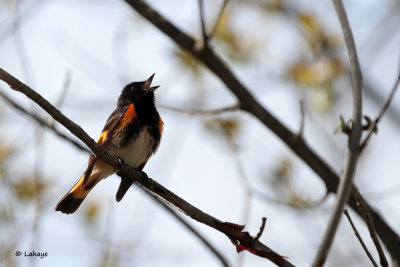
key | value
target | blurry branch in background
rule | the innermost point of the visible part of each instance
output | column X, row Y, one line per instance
column 28, row 10
column 371, row 228
column 302, row 120
column 359, row 237
column 221, row 258
column 203, row 23
column 42, row 122
column 217, row 111
column 242, row 240
column 220, row 13
column 302, row 205
column 363, row 206
column 206, row 35
column 353, row 152
column 227, row 128
column 64, row 89
column 251, row 105
column 373, row 127
column 373, row 93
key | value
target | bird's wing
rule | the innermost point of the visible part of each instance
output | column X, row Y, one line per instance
column 118, row 119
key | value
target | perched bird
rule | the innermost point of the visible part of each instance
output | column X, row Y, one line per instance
column 132, row 133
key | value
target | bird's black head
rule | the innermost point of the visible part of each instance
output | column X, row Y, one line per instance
column 138, row 93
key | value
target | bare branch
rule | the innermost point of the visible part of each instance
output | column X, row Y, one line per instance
column 352, row 154
column 43, row 122
column 372, row 127
column 212, row 61
column 359, row 238
column 221, row 12
column 371, row 228
column 242, row 240
column 264, row 220
column 217, row 111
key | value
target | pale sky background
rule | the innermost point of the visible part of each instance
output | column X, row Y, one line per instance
column 104, row 45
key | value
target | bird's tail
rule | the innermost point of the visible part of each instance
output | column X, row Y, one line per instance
column 73, row 199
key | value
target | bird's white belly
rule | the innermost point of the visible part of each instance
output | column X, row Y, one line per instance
column 137, row 151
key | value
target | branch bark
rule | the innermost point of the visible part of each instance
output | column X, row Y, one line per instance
column 353, row 152
column 251, row 105
column 242, row 240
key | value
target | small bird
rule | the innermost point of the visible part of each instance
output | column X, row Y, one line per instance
column 132, row 133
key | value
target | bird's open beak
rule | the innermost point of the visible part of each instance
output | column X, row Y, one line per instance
column 146, row 85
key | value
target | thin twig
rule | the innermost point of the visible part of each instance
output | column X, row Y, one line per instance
column 302, row 119
column 352, row 154
column 371, row 228
column 233, row 231
column 203, row 23
column 221, row 12
column 372, row 127
column 359, row 237
column 43, row 122
column 307, row 205
column 217, row 111
column 260, row 232
column 64, row 89
column 248, row 103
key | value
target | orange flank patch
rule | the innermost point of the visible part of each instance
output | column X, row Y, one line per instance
column 78, row 184
column 160, row 124
column 128, row 117
column 103, row 137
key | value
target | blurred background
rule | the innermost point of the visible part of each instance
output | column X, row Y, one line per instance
column 79, row 55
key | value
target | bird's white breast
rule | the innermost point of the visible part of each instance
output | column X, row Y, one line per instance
column 137, row 151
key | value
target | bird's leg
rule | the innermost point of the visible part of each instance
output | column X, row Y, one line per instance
column 120, row 163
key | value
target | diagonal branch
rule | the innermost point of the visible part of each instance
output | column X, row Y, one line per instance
column 371, row 229
column 373, row 125
column 42, row 122
column 251, row 105
column 233, row 231
column 353, row 152
column 217, row 111
column 360, row 238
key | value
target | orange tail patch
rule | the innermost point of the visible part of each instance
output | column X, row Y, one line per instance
column 74, row 198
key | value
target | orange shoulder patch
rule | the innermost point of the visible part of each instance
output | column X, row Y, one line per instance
column 128, row 117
